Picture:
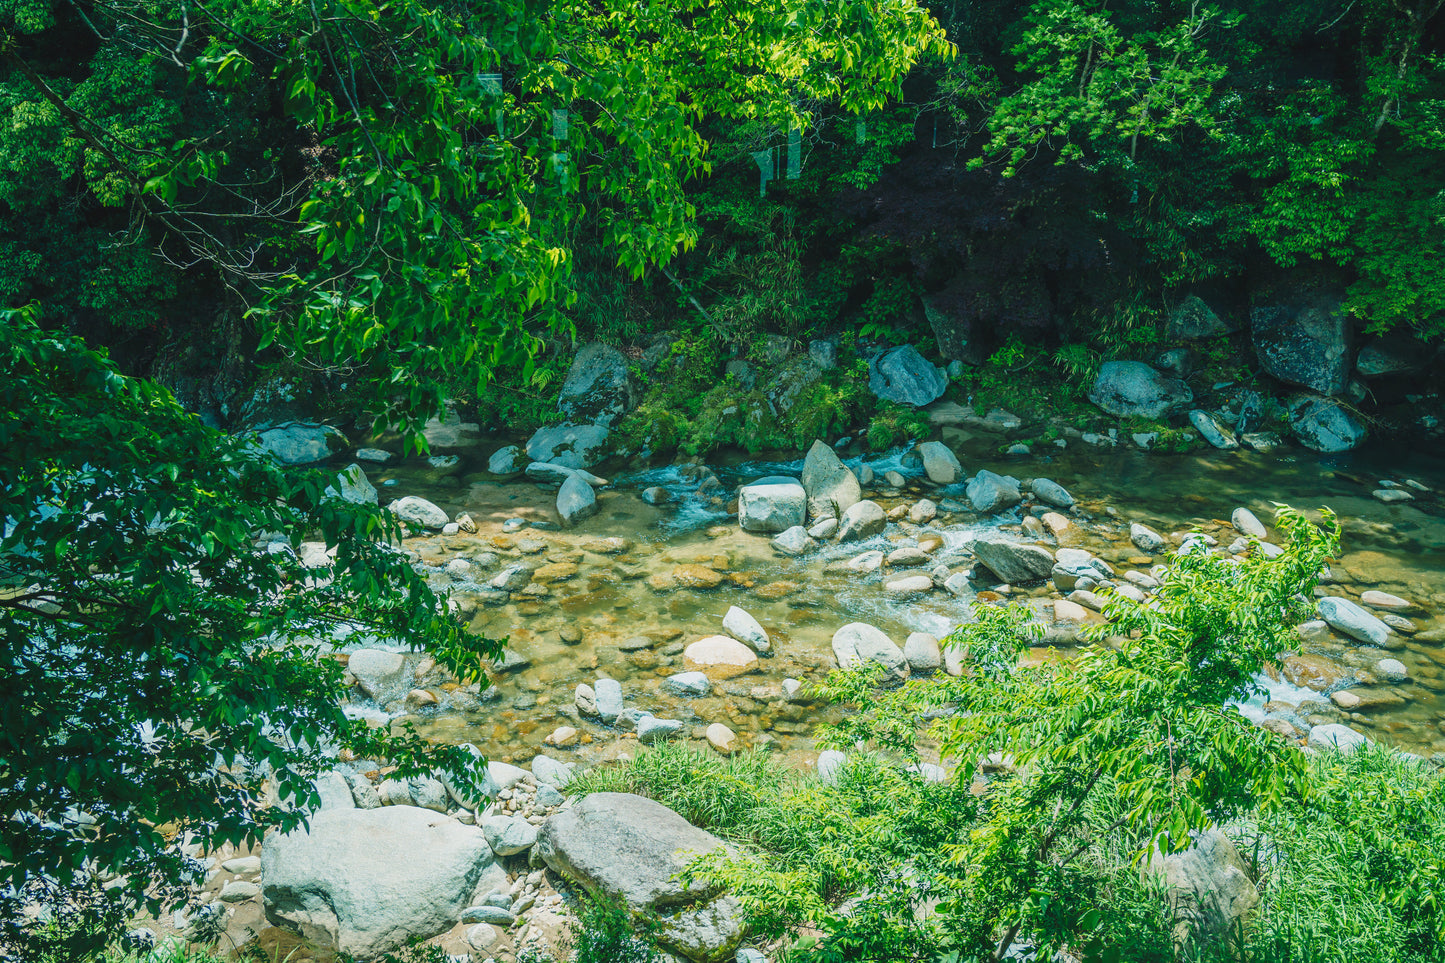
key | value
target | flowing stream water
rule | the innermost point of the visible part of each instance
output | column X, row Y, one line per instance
column 625, row 609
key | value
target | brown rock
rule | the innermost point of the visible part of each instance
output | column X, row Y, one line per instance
column 696, row 577
column 1316, row 672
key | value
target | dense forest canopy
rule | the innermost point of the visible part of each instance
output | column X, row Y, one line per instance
column 415, row 189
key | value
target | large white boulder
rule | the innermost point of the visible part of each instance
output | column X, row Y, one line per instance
column 576, row 500
column 940, row 464
column 366, row 881
column 863, row 520
column 858, row 642
column 1347, row 617
column 632, row 849
column 418, row 511
column 830, row 485
column 772, row 504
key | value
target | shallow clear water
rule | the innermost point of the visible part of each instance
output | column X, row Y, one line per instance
column 617, row 597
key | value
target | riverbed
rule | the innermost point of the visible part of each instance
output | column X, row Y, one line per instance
column 627, row 589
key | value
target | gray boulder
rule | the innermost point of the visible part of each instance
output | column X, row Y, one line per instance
column 1014, row 561
column 772, row 504
column 830, row 485
column 923, row 653
column 1347, row 617
column 608, row 693
column 1397, row 353
column 599, row 387
column 1193, row 320
column 572, row 446
column 858, row 642
column 543, row 472
column 1306, row 343
column 508, row 835
column 688, row 685
column 507, row 461
column 902, row 375
column 651, row 729
column 789, row 383
column 940, row 464
column 743, row 627
column 1332, row 735
column 366, row 881
column 993, row 493
column 863, row 520
column 1323, row 424
column 1215, row 432
column 1207, row 886
column 795, row 541
column 1145, row 539
column 1052, row 493
column 353, row 486
column 379, row 674
column 1129, row 389
column 298, row 444
column 632, row 849
column 576, row 500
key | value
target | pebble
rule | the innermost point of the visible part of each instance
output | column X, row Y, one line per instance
column 562, row 737
column 721, row 738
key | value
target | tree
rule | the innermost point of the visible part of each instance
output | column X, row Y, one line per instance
column 397, row 188
column 162, row 656
column 1136, row 737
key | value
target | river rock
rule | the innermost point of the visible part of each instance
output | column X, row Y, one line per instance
column 825, row 528
column 656, row 495
column 571, row 446
column 1392, row 671
column 508, row 835
column 696, row 577
column 1384, row 600
column 418, row 511
column 1316, row 672
column 990, row 493
column 908, row 556
column 743, row 627
column 1335, row 736
column 1194, row 320
column 1245, row 522
column 1132, row 389
column 902, row 375
column 599, row 387
column 688, row 685
column 576, row 501
column 1395, row 353
column 860, row 521
column 651, row 729
column 721, row 738
column 940, row 464
column 552, row 772
column 1145, row 539
column 1347, row 617
column 1323, row 424
column 909, row 586
column 923, row 511
column 1207, row 886
column 352, row 486
column 1215, row 432
column 1306, row 343
column 719, row 657
column 368, row 880
column 794, row 541
column 858, row 642
column 585, row 699
column 544, row 472
column 865, row 563
column 608, row 696
column 1052, row 493
column 633, row 849
column 1013, row 561
column 923, row 653
column 379, row 674
column 298, row 444
column 830, row 486
column 772, row 504
column 507, row 461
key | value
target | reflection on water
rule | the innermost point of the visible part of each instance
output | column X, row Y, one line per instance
column 619, row 614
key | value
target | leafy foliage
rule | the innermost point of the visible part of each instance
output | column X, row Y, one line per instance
column 166, row 658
